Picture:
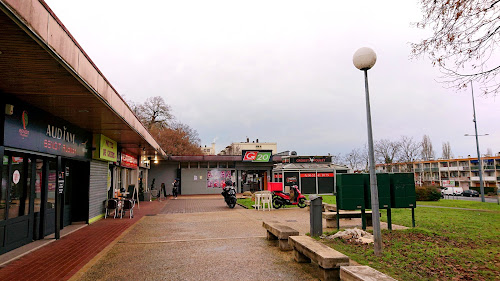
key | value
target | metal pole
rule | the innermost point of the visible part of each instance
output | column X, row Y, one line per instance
column 377, row 236
column 481, row 185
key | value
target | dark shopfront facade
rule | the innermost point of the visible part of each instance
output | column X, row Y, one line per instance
column 312, row 174
column 44, row 174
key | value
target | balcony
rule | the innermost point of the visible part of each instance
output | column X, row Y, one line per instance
column 444, row 169
column 489, row 167
column 498, row 167
column 417, row 170
column 463, row 178
column 435, row 169
column 474, row 168
column 484, row 178
column 456, row 168
column 427, row 169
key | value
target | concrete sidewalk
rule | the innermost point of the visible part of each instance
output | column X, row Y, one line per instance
column 191, row 238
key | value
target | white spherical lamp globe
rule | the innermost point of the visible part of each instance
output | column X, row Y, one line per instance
column 364, row 58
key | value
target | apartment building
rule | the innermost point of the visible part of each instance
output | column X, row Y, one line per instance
column 461, row 172
column 236, row 148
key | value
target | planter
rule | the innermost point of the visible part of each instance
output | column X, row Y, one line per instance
column 146, row 196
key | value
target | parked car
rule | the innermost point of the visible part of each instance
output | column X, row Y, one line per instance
column 470, row 193
column 455, row 191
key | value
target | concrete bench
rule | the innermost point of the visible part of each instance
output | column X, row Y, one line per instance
column 331, row 217
column 330, row 207
column 324, row 206
column 362, row 273
column 281, row 233
column 329, row 260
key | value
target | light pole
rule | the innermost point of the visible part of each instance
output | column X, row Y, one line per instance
column 481, row 184
column 365, row 59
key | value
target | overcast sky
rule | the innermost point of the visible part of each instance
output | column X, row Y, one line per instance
column 280, row 71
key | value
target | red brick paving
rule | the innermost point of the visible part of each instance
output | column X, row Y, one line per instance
column 61, row 259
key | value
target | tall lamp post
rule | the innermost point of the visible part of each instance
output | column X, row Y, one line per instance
column 481, row 184
column 365, row 59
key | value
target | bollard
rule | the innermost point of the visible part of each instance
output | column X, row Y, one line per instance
column 316, row 220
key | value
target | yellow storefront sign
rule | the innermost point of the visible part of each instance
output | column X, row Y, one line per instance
column 107, row 148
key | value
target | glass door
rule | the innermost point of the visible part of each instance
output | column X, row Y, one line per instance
column 16, row 211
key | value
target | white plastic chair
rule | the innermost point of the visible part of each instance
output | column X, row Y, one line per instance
column 267, row 198
column 258, row 201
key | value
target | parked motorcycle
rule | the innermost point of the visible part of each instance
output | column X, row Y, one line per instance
column 293, row 198
column 229, row 194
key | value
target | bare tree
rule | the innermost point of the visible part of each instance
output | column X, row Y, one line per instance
column 409, row 149
column 427, row 151
column 354, row 159
column 447, row 154
column 464, row 41
column 386, row 150
column 154, row 112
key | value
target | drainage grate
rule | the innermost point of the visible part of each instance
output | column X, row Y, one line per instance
column 150, row 215
column 290, row 220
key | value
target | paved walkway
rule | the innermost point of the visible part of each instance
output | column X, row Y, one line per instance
column 191, row 238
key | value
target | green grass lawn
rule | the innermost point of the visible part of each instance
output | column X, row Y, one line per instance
column 447, row 244
column 462, row 204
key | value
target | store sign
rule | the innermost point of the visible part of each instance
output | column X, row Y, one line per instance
column 278, row 176
column 128, row 161
column 33, row 129
column 108, row 148
column 308, row 159
column 448, row 183
column 291, row 179
column 313, row 175
column 262, row 156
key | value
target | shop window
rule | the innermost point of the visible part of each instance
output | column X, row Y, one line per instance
column 231, row 164
column 193, row 165
column 184, row 165
column 18, row 193
column 222, row 164
column 51, row 195
column 203, row 165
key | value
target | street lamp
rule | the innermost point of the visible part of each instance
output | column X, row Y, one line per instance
column 365, row 59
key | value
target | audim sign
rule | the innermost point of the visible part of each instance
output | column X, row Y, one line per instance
column 262, row 156
column 33, row 129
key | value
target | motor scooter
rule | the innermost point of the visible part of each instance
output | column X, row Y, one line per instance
column 229, row 194
column 293, row 198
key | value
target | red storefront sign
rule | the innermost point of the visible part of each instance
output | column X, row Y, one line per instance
column 313, row 175
column 278, row 176
column 128, row 161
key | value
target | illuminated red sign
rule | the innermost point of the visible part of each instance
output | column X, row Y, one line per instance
column 128, row 161
column 250, row 155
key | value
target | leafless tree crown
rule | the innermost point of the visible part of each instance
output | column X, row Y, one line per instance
column 447, row 154
column 464, row 42
column 409, row 149
column 427, row 151
column 386, row 150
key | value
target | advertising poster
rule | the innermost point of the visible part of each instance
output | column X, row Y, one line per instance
column 217, row 178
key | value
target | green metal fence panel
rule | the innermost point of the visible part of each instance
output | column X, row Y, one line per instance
column 402, row 190
column 350, row 191
column 384, row 191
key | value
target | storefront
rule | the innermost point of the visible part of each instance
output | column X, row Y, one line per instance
column 208, row 174
column 312, row 174
column 44, row 177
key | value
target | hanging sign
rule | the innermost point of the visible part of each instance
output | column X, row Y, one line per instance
column 60, row 183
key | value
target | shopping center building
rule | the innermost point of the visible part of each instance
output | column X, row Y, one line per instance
column 68, row 141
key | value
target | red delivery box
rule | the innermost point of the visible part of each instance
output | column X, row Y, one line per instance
column 275, row 186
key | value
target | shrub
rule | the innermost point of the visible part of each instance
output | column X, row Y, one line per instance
column 427, row 193
column 487, row 190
